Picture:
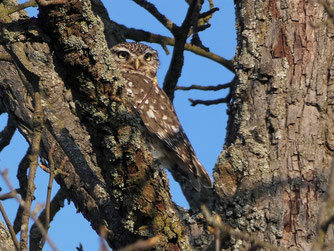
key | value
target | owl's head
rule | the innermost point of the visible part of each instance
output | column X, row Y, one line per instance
column 136, row 58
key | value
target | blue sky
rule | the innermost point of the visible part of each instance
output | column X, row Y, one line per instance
column 205, row 126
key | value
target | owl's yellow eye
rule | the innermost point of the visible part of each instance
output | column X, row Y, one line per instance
column 148, row 57
column 123, row 55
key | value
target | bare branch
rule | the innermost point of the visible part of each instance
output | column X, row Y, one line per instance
column 212, row 220
column 10, row 227
column 176, row 64
column 48, row 196
column 142, row 244
column 140, row 35
column 55, row 205
column 160, row 17
column 103, row 235
column 22, row 203
column 9, row 195
column 31, row 81
column 30, row 3
column 205, row 88
column 23, row 182
column 33, row 156
column 7, row 133
column 208, row 13
column 52, row 2
column 210, row 102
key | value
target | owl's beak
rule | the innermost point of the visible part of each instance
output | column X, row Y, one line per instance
column 137, row 64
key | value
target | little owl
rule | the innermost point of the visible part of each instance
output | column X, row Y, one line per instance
column 168, row 142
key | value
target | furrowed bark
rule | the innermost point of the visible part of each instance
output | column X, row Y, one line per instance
column 273, row 173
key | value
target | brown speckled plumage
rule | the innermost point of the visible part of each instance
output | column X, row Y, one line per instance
column 169, row 144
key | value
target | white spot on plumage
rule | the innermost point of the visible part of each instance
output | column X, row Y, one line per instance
column 130, row 84
column 156, row 90
column 175, row 129
column 141, row 90
column 150, row 114
column 164, row 117
column 146, row 101
column 129, row 92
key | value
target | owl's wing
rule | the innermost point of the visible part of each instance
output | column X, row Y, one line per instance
column 158, row 114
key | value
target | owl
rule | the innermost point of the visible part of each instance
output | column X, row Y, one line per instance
column 168, row 143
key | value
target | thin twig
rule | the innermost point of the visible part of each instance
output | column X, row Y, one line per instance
column 208, row 13
column 103, row 236
column 241, row 235
column 154, row 12
column 48, row 196
column 33, row 156
column 9, row 195
column 209, row 102
column 217, row 234
column 196, row 23
column 141, row 35
column 22, row 203
column 23, row 182
column 55, row 205
column 7, row 133
column 205, row 88
column 10, row 227
column 141, row 244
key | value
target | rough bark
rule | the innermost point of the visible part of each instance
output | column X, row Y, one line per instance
column 273, row 172
column 110, row 175
column 6, row 242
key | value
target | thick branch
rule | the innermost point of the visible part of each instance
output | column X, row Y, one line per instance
column 210, row 102
column 204, row 88
column 30, row 3
column 176, row 64
column 7, row 133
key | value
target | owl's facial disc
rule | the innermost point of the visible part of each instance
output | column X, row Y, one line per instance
column 136, row 58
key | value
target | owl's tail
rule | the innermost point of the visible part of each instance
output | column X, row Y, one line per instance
column 201, row 175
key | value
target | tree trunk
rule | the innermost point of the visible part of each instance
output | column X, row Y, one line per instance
column 109, row 174
column 273, row 172
column 269, row 179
